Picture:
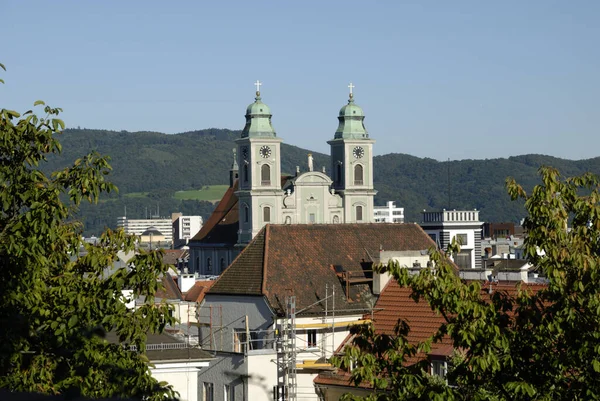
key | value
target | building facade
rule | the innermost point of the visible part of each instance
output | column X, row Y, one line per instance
column 388, row 213
column 139, row 226
column 464, row 225
column 185, row 228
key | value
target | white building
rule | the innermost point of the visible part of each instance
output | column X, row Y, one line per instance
column 444, row 226
column 263, row 344
column 184, row 228
column 388, row 213
column 138, row 226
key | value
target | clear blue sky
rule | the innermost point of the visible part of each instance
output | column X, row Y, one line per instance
column 439, row 79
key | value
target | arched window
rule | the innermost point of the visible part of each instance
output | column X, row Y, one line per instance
column 222, row 264
column 197, row 267
column 338, row 177
column 245, row 173
column 359, row 213
column 265, row 174
column 358, row 175
column 266, row 214
column 246, row 214
column 208, row 264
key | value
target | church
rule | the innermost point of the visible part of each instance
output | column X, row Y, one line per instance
column 260, row 195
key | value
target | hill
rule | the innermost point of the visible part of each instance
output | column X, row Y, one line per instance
column 152, row 167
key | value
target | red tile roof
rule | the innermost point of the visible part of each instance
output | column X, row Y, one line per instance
column 196, row 293
column 395, row 302
column 302, row 259
column 171, row 290
column 222, row 225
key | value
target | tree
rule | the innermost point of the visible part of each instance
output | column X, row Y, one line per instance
column 542, row 345
column 56, row 305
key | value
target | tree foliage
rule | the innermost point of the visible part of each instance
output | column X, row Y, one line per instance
column 55, row 304
column 535, row 345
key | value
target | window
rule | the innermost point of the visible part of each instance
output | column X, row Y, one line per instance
column 209, row 392
column 463, row 259
column 222, row 264
column 338, row 177
column 266, row 214
column 246, row 214
column 208, row 264
column 358, row 174
column 228, row 393
column 438, row 368
column 433, row 237
column 311, row 338
column 311, row 218
column 265, row 174
column 359, row 213
column 461, row 239
column 245, row 173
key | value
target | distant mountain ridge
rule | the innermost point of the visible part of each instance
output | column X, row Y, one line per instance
column 161, row 164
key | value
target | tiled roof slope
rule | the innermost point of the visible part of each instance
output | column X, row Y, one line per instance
column 244, row 275
column 395, row 302
column 301, row 260
column 170, row 290
column 222, row 225
column 196, row 293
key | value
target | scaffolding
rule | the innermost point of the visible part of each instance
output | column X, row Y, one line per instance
column 289, row 349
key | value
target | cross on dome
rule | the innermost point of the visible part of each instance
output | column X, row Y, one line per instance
column 257, row 84
column 351, row 87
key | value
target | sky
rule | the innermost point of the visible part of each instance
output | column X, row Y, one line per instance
column 438, row 79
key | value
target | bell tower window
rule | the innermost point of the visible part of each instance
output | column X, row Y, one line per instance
column 338, row 176
column 246, row 214
column 359, row 213
column 358, row 174
column 245, row 173
column 265, row 174
column 266, row 214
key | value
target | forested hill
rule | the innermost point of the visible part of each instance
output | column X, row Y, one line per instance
column 149, row 167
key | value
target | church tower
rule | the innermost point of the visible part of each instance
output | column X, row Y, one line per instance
column 259, row 160
column 352, row 163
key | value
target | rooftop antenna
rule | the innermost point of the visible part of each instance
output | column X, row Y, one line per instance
column 449, row 205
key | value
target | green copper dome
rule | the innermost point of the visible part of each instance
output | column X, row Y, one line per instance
column 351, row 122
column 258, row 120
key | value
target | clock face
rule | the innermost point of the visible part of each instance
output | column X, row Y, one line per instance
column 265, row 151
column 358, row 152
column 245, row 152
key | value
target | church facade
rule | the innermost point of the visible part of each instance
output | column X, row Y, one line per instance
column 260, row 195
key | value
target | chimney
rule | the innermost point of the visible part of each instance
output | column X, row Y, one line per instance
column 186, row 281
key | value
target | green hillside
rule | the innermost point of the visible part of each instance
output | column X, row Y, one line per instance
column 159, row 174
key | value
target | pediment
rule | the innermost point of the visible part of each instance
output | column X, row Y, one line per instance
column 313, row 177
